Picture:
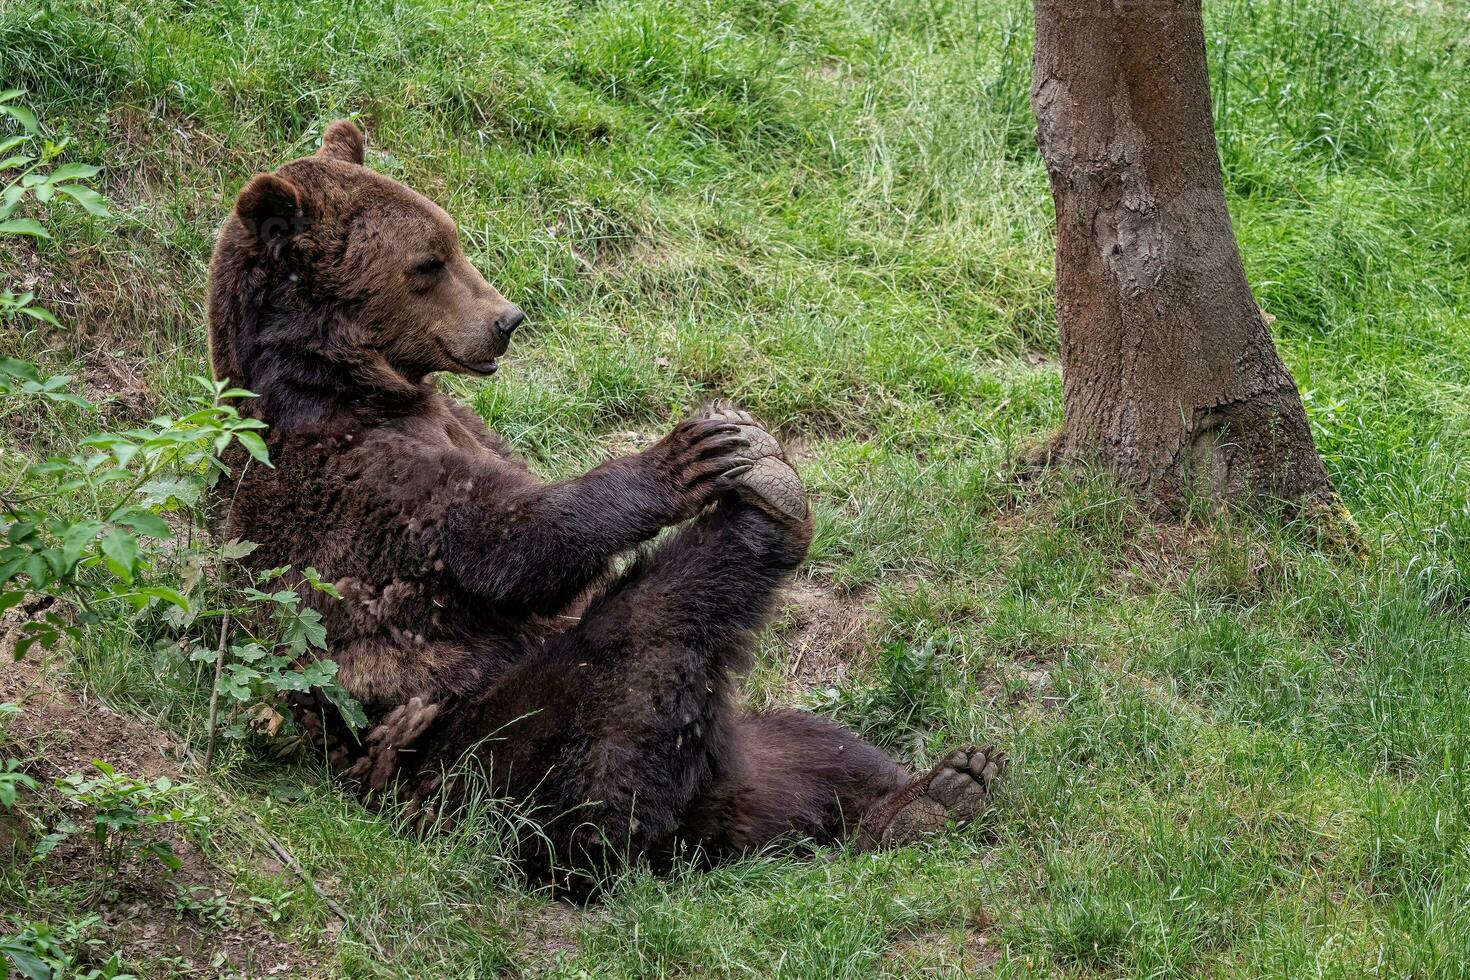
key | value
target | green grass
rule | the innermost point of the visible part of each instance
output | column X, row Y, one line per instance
column 1246, row 757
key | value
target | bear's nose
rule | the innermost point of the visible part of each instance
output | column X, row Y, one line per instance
column 507, row 322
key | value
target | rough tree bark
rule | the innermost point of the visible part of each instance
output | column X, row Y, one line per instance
column 1169, row 374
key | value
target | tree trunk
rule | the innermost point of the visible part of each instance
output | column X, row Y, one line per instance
column 1169, row 375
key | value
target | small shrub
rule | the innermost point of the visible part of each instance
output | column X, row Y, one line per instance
column 38, row 951
column 121, row 810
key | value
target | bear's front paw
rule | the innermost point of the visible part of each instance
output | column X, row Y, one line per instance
column 699, row 461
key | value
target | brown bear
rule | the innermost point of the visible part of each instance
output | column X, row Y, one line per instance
column 482, row 617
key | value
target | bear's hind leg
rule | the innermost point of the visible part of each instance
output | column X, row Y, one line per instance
column 789, row 776
column 616, row 726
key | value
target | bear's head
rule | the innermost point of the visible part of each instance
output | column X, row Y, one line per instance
column 333, row 286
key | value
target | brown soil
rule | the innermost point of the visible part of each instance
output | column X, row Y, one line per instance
column 551, row 935
column 140, row 908
column 630, row 442
column 825, row 633
column 118, row 384
column 967, row 952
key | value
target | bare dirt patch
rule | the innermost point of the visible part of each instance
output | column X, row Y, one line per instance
column 968, row 952
column 551, row 935
column 193, row 919
column 68, row 730
column 825, row 632
column 629, row 442
column 119, row 385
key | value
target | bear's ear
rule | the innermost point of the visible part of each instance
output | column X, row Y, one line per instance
column 342, row 141
column 270, row 208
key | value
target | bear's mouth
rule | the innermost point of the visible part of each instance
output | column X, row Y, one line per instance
column 484, row 368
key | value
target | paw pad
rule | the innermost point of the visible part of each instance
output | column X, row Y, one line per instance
column 771, row 478
column 953, row 792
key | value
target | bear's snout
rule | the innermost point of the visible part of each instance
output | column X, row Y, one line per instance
column 505, row 324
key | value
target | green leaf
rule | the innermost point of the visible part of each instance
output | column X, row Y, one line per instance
column 256, row 445
column 319, row 673
column 45, row 316
column 16, row 161
column 236, row 682
column 9, row 600
column 16, row 368
column 314, row 579
column 94, row 203
column 24, row 226
column 30, row 966
column 306, row 629
column 235, row 549
column 237, row 393
column 347, row 706
column 289, row 680
column 20, row 531
column 74, row 171
column 38, row 570
column 164, row 489
column 249, row 653
column 74, row 542
column 144, row 522
column 121, row 551
column 21, row 115
column 11, row 93
column 171, row 596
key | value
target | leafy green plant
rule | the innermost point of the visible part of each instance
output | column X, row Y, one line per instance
column 272, row 658
column 37, row 951
column 32, row 159
column 121, row 810
column 204, row 903
column 62, row 543
column 12, row 780
column 30, row 952
column 87, row 537
column 70, row 537
column 274, row 908
column 21, row 378
column 909, row 702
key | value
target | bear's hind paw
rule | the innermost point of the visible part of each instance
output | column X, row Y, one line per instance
column 954, row 791
column 771, row 482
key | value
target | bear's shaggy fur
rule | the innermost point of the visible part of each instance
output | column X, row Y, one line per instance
column 479, row 616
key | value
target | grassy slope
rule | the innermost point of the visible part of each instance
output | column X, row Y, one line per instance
column 1249, row 758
